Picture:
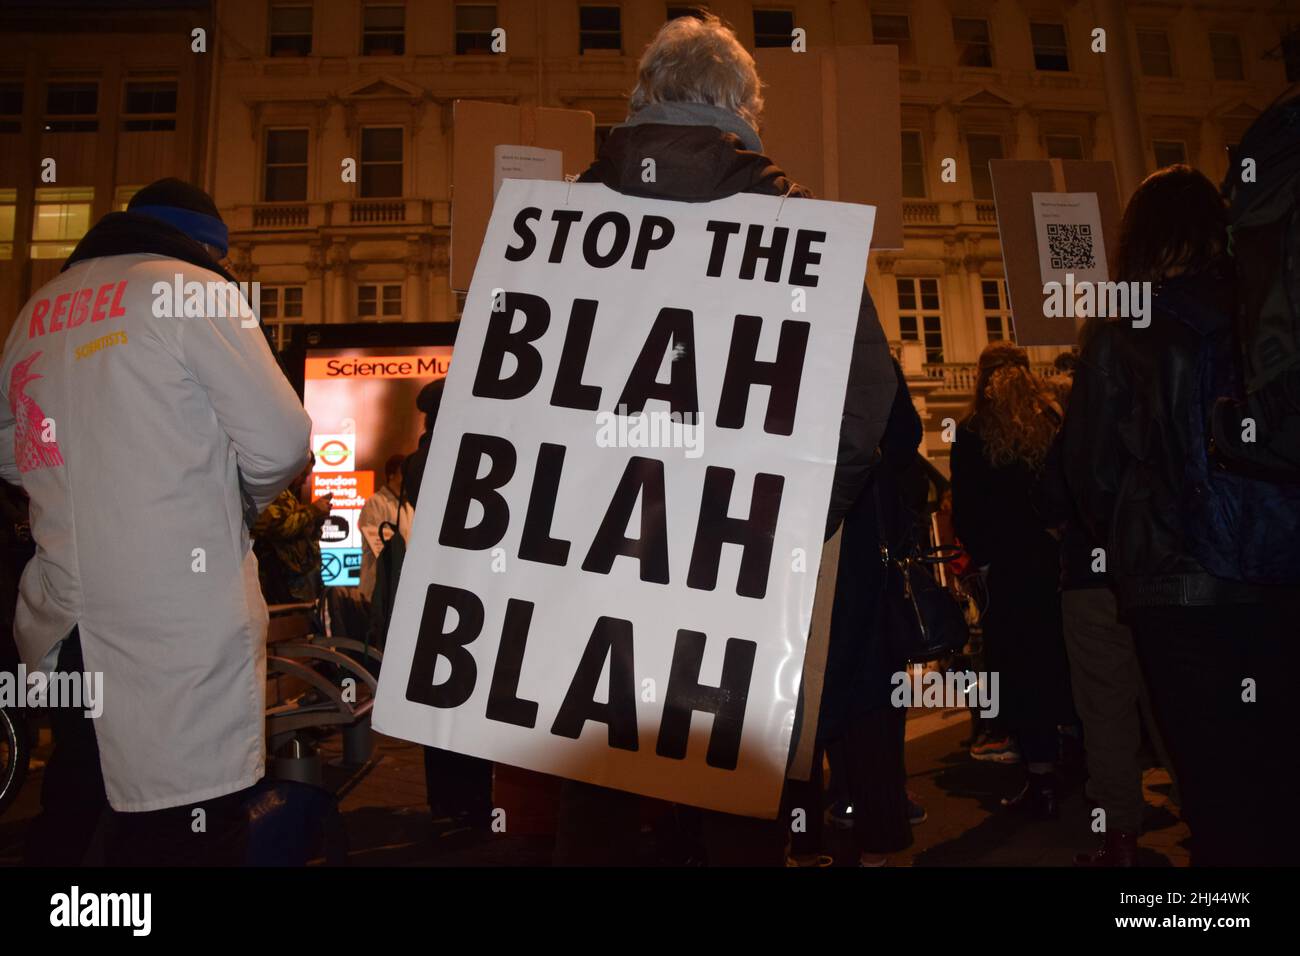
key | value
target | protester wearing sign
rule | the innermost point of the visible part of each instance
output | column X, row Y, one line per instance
column 525, row 586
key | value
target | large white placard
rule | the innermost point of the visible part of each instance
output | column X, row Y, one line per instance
column 578, row 598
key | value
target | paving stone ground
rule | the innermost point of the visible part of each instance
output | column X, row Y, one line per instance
column 388, row 824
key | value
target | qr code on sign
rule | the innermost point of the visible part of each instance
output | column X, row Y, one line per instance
column 1070, row 246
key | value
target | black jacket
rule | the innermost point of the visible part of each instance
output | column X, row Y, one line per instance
column 1058, row 509
column 860, row 659
column 994, row 511
column 1127, row 440
column 701, row 163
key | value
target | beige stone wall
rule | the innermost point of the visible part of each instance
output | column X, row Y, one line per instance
column 39, row 46
column 333, row 242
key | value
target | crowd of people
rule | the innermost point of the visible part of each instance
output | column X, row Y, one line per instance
column 1105, row 610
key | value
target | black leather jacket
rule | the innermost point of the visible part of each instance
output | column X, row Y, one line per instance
column 1125, row 443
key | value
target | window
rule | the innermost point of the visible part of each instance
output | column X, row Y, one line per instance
column 1050, row 49
column 149, row 106
column 280, row 306
column 381, row 162
column 379, row 301
column 8, row 217
column 913, row 165
column 286, row 166
column 974, row 45
column 62, row 216
column 122, row 197
column 474, row 25
column 982, row 147
column 919, row 315
column 1064, row 147
column 281, row 303
column 997, row 310
column 11, row 107
column 893, row 29
column 1154, row 53
column 290, row 33
column 773, row 27
column 697, row 12
column 383, row 31
column 1169, row 152
column 72, row 108
column 1229, row 64
column 600, row 28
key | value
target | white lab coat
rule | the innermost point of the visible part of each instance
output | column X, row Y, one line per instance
column 139, row 520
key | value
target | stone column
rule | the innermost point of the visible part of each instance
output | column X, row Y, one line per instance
column 958, row 317
column 1121, row 97
column 440, row 280
column 416, row 308
column 316, row 295
column 339, row 262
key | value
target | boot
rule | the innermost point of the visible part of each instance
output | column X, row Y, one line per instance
column 1118, row 848
column 1038, row 799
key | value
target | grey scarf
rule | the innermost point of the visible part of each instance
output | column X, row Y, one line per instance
column 697, row 114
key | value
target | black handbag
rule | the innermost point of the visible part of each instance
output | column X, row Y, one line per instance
column 922, row 619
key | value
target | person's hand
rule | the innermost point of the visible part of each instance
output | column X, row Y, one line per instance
column 322, row 504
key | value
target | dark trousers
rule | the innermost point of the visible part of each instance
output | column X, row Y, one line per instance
column 1234, row 756
column 458, row 785
column 1112, row 702
column 867, row 766
column 74, row 807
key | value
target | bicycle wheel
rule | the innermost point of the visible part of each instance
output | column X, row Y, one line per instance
column 15, row 755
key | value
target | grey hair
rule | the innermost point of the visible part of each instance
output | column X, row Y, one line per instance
column 698, row 60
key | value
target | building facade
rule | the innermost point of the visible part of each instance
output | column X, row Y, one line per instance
column 302, row 87
column 95, row 102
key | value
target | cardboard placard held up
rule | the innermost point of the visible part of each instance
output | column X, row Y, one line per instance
column 1014, row 183
column 479, row 128
column 832, row 121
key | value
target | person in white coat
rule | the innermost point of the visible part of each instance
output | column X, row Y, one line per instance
column 145, row 439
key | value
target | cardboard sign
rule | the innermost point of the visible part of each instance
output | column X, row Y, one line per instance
column 832, row 121
column 479, row 129
column 1026, row 245
column 612, row 568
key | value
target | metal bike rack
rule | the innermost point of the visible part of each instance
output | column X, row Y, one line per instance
column 321, row 703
